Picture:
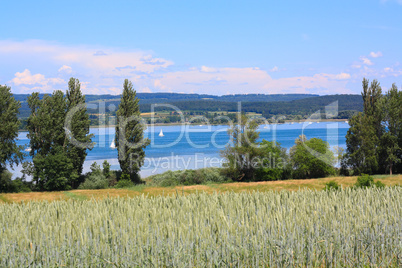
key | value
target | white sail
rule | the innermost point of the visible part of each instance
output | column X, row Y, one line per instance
column 161, row 133
column 113, row 145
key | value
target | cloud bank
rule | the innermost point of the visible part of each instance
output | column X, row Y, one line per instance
column 45, row 66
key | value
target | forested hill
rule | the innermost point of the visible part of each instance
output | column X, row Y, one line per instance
column 267, row 105
column 170, row 97
column 346, row 104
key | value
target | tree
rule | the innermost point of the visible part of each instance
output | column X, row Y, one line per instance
column 273, row 163
column 311, row 158
column 361, row 143
column 52, row 166
column 391, row 106
column 78, row 121
column 364, row 135
column 58, row 157
column 242, row 158
column 9, row 151
column 129, row 139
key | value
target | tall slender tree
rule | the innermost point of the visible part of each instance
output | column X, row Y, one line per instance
column 129, row 139
column 9, row 107
column 78, row 122
column 366, row 129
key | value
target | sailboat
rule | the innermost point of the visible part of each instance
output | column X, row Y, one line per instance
column 113, row 145
column 161, row 133
column 28, row 149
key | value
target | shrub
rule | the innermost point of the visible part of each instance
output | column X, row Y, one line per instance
column 95, row 181
column 366, row 181
column 188, row 177
column 8, row 185
column 331, row 185
column 124, row 184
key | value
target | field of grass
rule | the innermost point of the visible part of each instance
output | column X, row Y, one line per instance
column 348, row 228
column 292, row 185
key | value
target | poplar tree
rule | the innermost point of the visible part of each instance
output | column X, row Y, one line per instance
column 129, row 139
column 9, row 123
column 79, row 124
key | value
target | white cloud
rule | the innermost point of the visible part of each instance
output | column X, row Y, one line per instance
column 342, row 76
column 104, row 69
column 366, row 61
column 38, row 81
column 275, row 69
column 376, row 54
column 65, row 69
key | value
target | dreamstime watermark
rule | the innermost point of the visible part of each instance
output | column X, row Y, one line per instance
column 187, row 126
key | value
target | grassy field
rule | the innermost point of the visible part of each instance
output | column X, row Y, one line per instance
column 348, row 228
column 292, row 185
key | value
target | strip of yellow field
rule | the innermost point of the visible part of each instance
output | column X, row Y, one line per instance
column 291, row 185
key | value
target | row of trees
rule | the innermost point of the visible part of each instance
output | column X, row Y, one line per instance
column 249, row 160
column 374, row 139
column 374, row 145
column 58, row 129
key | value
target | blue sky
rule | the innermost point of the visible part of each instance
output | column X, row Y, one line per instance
column 213, row 47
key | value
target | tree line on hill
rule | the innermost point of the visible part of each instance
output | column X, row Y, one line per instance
column 374, row 143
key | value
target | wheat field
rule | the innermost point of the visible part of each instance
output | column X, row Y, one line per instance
column 347, row 228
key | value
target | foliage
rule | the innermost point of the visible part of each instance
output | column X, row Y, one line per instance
column 129, row 139
column 9, row 151
column 331, row 185
column 95, row 181
column 374, row 139
column 187, row 177
column 124, row 184
column 106, row 169
column 311, row 158
column 242, row 158
column 366, row 181
column 273, row 163
column 8, row 185
column 56, row 157
column 79, row 140
column 272, row 229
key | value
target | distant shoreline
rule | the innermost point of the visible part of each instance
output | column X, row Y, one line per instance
column 179, row 124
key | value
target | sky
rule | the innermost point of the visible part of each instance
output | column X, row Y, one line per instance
column 208, row 47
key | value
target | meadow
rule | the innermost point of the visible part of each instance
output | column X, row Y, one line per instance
column 350, row 227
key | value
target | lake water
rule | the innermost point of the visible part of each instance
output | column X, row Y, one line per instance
column 192, row 147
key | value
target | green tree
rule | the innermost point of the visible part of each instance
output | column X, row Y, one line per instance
column 242, row 158
column 58, row 157
column 129, row 139
column 311, row 158
column 78, row 123
column 361, row 143
column 9, row 107
column 364, row 135
column 391, row 106
column 52, row 166
column 273, row 164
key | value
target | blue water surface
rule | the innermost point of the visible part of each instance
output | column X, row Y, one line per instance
column 191, row 147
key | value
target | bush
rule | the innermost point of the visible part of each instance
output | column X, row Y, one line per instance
column 188, row 177
column 366, row 181
column 8, row 185
column 124, row 184
column 95, row 181
column 331, row 185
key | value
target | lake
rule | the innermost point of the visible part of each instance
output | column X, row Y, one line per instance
column 198, row 146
